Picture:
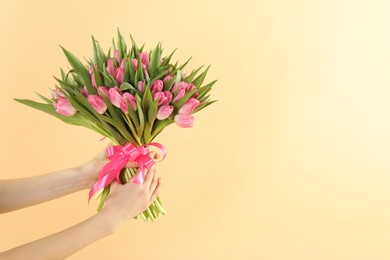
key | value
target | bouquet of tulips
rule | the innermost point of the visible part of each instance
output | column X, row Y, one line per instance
column 128, row 96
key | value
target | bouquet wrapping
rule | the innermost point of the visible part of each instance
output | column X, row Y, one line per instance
column 128, row 95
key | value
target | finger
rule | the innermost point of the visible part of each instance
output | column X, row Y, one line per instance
column 154, row 183
column 156, row 191
column 152, row 154
column 150, row 175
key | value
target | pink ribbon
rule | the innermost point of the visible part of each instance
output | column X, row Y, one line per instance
column 119, row 156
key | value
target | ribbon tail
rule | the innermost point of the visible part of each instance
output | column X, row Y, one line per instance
column 101, row 184
column 140, row 175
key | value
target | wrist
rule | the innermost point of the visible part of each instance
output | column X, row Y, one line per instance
column 87, row 173
column 110, row 221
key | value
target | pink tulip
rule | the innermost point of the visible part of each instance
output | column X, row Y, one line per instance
column 128, row 98
column 144, row 56
column 91, row 72
column 183, row 85
column 184, row 120
column 141, row 86
column 167, row 78
column 189, row 106
column 97, row 103
column 56, row 94
column 157, row 86
column 164, row 112
column 64, row 107
column 114, row 96
column 84, row 91
column 180, row 95
column 116, row 55
column 111, row 68
column 159, row 97
column 168, row 97
column 134, row 62
column 103, row 90
column 119, row 75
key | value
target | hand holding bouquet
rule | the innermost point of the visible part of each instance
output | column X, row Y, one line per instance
column 128, row 96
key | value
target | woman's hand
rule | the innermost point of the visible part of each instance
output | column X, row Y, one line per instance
column 90, row 170
column 129, row 200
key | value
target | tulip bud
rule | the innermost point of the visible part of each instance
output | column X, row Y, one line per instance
column 114, row 96
column 157, row 86
column 189, row 106
column 97, row 103
column 184, row 120
column 64, row 107
column 164, row 112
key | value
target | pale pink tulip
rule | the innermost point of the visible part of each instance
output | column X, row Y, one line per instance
column 167, row 78
column 157, row 86
column 64, row 107
column 180, row 95
column 116, row 55
column 130, row 99
column 144, row 56
column 114, row 96
column 159, row 97
column 103, row 90
column 111, row 68
column 134, row 62
column 97, row 103
column 184, row 120
column 183, row 85
column 141, row 86
column 91, row 72
column 168, row 97
column 56, row 94
column 189, row 106
column 164, row 112
column 119, row 75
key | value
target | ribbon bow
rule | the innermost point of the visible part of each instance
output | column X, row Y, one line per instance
column 119, row 156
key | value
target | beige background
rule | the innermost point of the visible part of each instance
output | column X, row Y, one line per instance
column 291, row 163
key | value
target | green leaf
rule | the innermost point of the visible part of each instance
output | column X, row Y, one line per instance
column 109, row 81
column 206, row 104
column 134, row 47
column 192, row 75
column 155, row 61
column 152, row 113
column 140, row 116
column 205, row 89
column 178, row 77
column 159, row 125
column 185, row 64
column 129, row 87
column 167, row 59
column 98, row 79
column 122, row 48
column 49, row 101
column 169, row 84
column 75, row 63
column 146, row 99
column 199, row 80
